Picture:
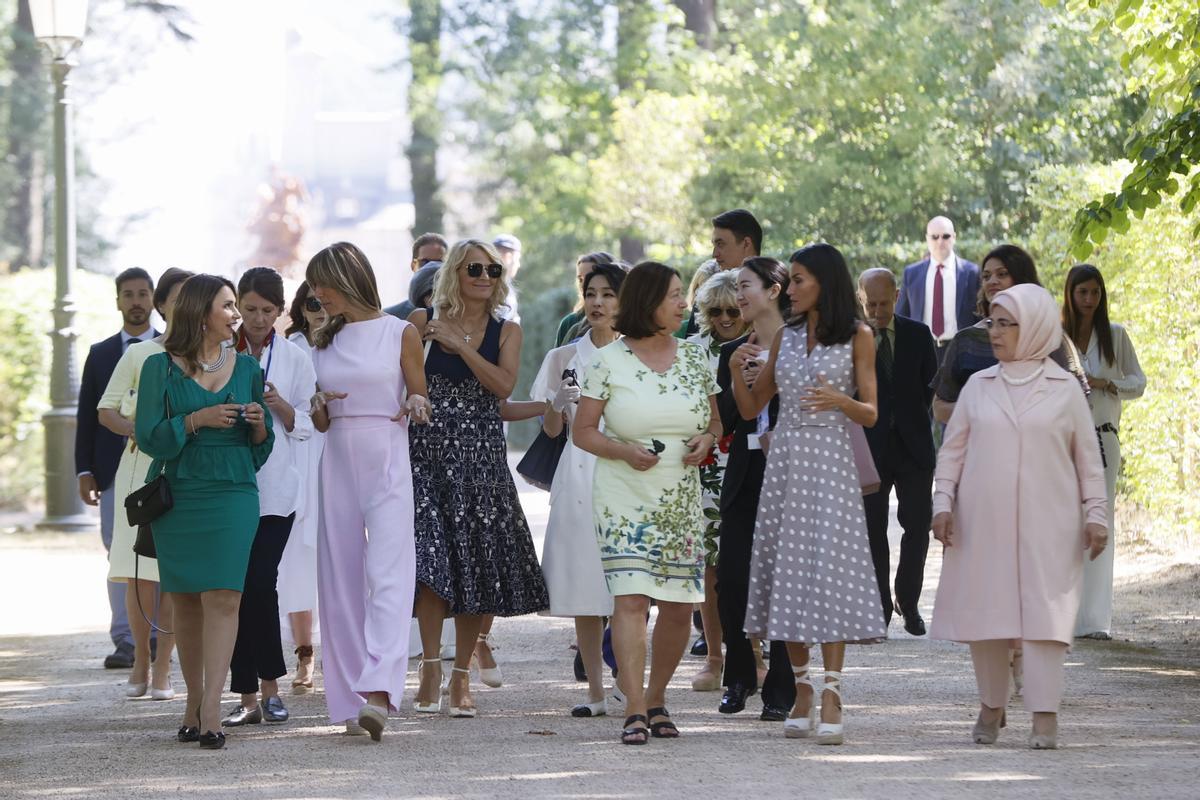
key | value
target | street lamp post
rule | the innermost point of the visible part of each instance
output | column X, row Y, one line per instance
column 60, row 25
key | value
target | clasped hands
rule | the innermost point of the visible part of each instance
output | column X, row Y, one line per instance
column 698, row 448
column 1095, row 537
column 225, row 415
column 748, row 361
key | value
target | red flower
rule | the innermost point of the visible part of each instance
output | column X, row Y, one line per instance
column 724, row 443
column 711, row 459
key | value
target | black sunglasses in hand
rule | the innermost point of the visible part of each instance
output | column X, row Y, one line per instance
column 475, row 269
column 312, row 304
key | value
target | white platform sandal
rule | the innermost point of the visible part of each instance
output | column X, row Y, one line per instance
column 831, row 732
column 802, row 727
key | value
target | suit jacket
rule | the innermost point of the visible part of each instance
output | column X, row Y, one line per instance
column 912, row 292
column 904, row 399
column 745, row 466
column 97, row 449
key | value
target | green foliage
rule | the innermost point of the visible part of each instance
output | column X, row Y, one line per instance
column 26, row 298
column 1161, row 57
column 1153, row 278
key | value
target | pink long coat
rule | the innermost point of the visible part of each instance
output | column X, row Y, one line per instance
column 1021, row 481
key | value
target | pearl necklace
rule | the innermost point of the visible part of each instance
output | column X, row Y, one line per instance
column 1021, row 381
column 216, row 365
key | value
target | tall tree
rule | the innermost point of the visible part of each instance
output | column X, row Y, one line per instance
column 28, row 108
column 424, row 26
column 700, row 17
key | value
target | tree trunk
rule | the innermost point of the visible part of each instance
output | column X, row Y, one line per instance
column 25, row 220
column 633, row 249
column 700, row 17
column 424, row 33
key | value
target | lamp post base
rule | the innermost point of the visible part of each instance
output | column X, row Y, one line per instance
column 72, row 523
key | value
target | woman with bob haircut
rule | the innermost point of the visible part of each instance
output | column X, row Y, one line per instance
column 201, row 416
column 475, row 554
column 655, row 396
column 812, row 580
column 370, row 388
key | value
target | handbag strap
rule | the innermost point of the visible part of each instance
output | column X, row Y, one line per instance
column 429, row 342
column 167, row 404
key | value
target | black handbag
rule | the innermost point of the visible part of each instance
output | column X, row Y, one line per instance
column 540, row 461
column 150, row 502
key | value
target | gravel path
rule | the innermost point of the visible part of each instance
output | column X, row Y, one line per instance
column 1130, row 722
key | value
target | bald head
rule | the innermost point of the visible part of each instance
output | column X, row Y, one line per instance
column 878, row 292
column 940, row 236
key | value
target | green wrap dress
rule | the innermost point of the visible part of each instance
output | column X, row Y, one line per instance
column 204, row 541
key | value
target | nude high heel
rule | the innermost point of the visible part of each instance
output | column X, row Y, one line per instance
column 831, row 732
column 462, row 712
column 489, row 677
column 435, row 707
column 988, row 732
column 802, row 727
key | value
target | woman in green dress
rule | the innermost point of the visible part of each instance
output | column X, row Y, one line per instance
column 200, row 417
column 656, row 395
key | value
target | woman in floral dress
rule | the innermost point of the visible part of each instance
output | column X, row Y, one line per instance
column 655, row 395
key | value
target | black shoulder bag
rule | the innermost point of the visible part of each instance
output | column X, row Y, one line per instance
column 150, row 502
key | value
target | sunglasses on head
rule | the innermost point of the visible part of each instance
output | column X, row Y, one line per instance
column 312, row 304
column 946, row 236
column 475, row 269
column 732, row 313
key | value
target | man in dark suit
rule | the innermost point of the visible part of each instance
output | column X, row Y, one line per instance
column 97, row 449
column 740, row 491
column 901, row 444
column 941, row 290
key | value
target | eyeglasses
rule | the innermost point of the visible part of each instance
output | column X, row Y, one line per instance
column 732, row 313
column 933, row 237
column 312, row 304
column 999, row 324
column 475, row 269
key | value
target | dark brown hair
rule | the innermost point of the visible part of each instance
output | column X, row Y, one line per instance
column 296, row 312
column 1020, row 268
column 264, row 282
column 837, row 304
column 641, row 294
column 194, row 304
column 166, row 282
column 1082, row 273
column 429, row 238
column 134, row 274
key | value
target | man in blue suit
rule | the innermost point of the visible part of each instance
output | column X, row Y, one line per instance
column 97, row 449
column 941, row 290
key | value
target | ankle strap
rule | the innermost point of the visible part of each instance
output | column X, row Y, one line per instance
column 457, row 669
column 800, row 674
column 833, row 683
column 431, row 661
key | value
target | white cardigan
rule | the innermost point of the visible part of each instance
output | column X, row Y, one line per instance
column 1125, row 373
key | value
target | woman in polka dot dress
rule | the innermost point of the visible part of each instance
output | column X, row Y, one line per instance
column 811, row 576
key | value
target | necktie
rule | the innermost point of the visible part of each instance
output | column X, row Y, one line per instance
column 937, row 316
column 885, row 355
column 131, row 342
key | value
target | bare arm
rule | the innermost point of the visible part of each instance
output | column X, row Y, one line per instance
column 942, row 410
column 752, row 400
column 517, row 410
column 112, row 419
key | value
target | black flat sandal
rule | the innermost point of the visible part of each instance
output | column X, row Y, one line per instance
column 631, row 735
column 662, row 730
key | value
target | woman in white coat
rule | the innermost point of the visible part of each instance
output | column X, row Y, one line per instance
column 1019, row 496
column 1114, row 375
column 571, row 555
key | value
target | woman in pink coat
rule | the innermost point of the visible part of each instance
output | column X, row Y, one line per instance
column 1019, row 496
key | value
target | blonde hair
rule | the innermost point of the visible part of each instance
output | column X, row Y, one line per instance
column 447, row 291
column 703, row 273
column 344, row 268
column 719, row 291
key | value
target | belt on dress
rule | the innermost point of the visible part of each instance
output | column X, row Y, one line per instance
column 1107, row 427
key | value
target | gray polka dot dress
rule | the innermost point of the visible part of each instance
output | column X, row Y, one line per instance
column 811, row 575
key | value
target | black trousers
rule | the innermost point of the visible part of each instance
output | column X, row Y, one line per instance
column 914, row 499
column 258, row 652
column 733, row 589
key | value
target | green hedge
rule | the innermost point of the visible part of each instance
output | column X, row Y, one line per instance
column 26, row 300
column 1153, row 278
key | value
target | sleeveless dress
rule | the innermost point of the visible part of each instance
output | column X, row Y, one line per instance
column 812, row 579
column 204, row 541
column 474, row 548
column 650, row 524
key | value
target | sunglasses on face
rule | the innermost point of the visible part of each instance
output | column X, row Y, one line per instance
column 475, row 269
column 423, row 261
column 933, row 237
column 732, row 313
column 312, row 305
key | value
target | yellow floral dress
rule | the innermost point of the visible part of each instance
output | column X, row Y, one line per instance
column 650, row 525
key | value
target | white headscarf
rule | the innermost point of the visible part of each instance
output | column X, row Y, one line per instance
column 1040, row 330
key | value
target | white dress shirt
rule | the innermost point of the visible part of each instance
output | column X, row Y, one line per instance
column 291, row 373
column 949, row 296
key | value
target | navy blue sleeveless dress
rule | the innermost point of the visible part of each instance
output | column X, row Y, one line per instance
column 474, row 548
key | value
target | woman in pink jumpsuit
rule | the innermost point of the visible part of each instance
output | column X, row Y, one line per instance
column 365, row 360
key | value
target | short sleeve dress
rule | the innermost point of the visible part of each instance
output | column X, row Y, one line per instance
column 204, row 541
column 650, row 525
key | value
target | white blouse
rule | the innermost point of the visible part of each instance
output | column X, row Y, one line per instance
column 290, row 371
column 1125, row 374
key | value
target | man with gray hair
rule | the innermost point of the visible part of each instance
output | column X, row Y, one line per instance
column 901, row 444
column 940, row 290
